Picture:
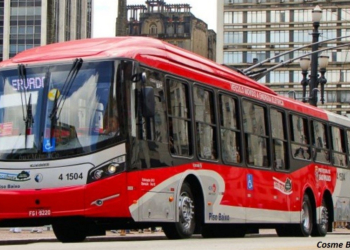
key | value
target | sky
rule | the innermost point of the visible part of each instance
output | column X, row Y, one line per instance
column 105, row 13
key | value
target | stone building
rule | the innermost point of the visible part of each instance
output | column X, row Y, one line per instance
column 173, row 23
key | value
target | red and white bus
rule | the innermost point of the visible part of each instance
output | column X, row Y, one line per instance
column 198, row 147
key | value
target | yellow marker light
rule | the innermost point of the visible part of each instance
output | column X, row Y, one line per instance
column 171, row 199
column 52, row 94
column 209, row 203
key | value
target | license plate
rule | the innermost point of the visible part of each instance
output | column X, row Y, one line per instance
column 39, row 213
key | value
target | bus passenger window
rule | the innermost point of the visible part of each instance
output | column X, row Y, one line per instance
column 338, row 146
column 205, row 123
column 300, row 137
column 320, row 142
column 179, row 118
column 230, row 130
column 279, row 140
column 256, row 136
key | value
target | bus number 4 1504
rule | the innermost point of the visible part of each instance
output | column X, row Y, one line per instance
column 71, row 176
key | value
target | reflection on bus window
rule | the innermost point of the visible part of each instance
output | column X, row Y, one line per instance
column 179, row 118
column 205, row 123
column 300, row 137
column 230, row 131
column 256, row 136
column 338, row 145
column 320, row 142
column 279, row 139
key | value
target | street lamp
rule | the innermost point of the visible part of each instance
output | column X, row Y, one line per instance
column 323, row 63
column 305, row 63
column 316, row 18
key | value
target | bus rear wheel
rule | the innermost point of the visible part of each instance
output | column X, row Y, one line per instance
column 304, row 228
column 186, row 225
column 320, row 229
column 306, row 217
column 69, row 231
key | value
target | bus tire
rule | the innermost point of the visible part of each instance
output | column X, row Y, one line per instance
column 186, row 225
column 305, row 228
column 320, row 229
column 67, row 232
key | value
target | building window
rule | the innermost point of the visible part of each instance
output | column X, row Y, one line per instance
column 251, row 55
column 279, row 36
column 68, row 20
column 170, row 29
column 256, row 16
column 279, row 16
column 153, row 29
column 279, row 77
column 180, row 29
column 233, row 37
column 233, row 17
column 302, row 36
column 256, row 37
column 231, row 57
column 302, row 16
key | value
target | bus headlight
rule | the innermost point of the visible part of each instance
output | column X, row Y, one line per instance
column 107, row 169
column 112, row 168
column 98, row 174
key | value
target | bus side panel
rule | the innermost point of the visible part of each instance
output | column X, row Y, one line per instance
column 42, row 203
column 108, row 197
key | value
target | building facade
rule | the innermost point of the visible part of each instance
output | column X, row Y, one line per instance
column 31, row 23
column 250, row 31
column 1, row 28
column 173, row 23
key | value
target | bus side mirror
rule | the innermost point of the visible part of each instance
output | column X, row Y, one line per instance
column 148, row 109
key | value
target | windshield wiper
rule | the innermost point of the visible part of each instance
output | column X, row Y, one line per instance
column 65, row 89
column 28, row 117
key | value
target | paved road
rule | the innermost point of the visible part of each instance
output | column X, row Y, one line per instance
column 149, row 241
column 26, row 236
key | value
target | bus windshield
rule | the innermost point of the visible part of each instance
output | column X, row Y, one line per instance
column 59, row 110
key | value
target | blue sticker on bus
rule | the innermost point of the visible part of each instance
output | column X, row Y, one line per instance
column 250, row 183
column 49, row 146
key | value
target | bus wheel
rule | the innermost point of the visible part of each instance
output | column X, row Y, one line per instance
column 186, row 225
column 320, row 229
column 306, row 218
column 304, row 228
column 70, row 231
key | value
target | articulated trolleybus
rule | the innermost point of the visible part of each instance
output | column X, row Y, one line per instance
column 132, row 132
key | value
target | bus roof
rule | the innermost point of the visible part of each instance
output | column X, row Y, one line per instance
column 139, row 48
